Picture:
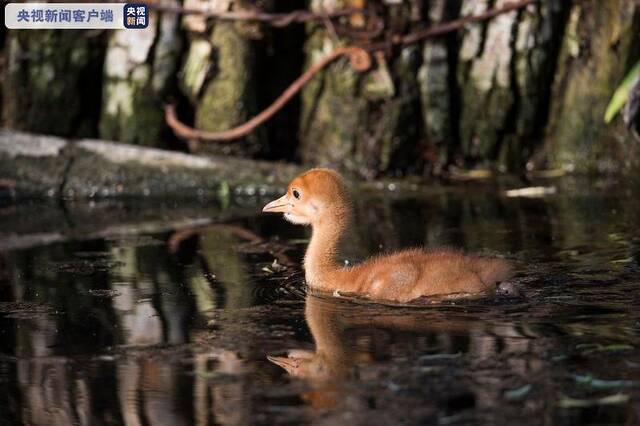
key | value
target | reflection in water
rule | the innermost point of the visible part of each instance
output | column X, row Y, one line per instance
column 170, row 328
column 348, row 337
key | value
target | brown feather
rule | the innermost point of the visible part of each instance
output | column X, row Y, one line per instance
column 320, row 198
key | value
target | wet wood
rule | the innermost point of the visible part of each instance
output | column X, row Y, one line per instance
column 379, row 126
column 139, row 72
column 43, row 71
column 599, row 47
column 219, row 76
column 54, row 167
column 523, row 90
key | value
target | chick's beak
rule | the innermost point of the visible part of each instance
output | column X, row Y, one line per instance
column 277, row 206
column 284, row 362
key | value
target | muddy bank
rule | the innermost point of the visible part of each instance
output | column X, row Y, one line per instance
column 48, row 167
column 44, row 166
column 37, row 166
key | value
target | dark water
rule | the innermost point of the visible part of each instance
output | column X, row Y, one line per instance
column 148, row 314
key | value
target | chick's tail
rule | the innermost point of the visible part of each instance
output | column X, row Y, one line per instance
column 493, row 270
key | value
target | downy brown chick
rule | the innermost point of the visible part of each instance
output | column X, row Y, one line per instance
column 320, row 198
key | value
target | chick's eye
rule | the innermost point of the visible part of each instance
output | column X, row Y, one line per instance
column 296, row 194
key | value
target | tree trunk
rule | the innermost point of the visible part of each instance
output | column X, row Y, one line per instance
column 523, row 90
column 35, row 166
column 365, row 124
column 506, row 66
column 480, row 97
column 138, row 76
column 600, row 46
column 218, row 77
column 52, row 81
column 438, row 88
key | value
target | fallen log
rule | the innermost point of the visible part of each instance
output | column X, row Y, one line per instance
column 51, row 167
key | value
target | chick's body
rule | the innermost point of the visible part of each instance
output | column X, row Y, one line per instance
column 319, row 198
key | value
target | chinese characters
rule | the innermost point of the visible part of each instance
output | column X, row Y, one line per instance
column 64, row 15
column 136, row 16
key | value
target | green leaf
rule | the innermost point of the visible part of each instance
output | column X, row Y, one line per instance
column 621, row 94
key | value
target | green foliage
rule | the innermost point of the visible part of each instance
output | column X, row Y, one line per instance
column 621, row 94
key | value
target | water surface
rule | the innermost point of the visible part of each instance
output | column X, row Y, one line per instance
column 169, row 314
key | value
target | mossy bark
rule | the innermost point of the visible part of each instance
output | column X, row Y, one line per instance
column 438, row 88
column 477, row 98
column 36, row 166
column 228, row 99
column 365, row 124
column 44, row 71
column 139, row 73
column 537, row 46
column 600, row 45
column 526, row 89
column 218, row 78
column 486, row 55
column 506, row 66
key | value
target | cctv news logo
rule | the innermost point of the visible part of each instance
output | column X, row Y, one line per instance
column 136, row 16
column 76, row 16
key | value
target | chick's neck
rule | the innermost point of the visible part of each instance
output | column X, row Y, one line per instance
column 320, row 262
